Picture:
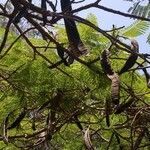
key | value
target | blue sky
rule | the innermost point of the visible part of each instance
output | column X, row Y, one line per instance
column 106, row 20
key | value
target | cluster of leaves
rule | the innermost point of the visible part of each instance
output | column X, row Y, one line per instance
column 141, row 10
column 77, row 95
column 45, row 104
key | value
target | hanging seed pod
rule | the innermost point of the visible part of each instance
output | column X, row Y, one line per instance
column 105, row 63
column 115, row 88
column 61, row 54
column 115, row 82
column 4, row 128
column 147, row 75
column 107, row 111
column 75, row 44
column 87, row 140
column 132, row 58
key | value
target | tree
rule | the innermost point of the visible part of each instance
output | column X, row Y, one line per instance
column 56, row 96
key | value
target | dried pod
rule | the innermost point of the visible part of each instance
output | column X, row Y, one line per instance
column 51, row 117
column 61, row 54
column 132, row 58
column 76, row 47
column 107, row 111
column 147, row 75
column 4, row 128
column 115, row 88
column 105, row 63
column 87, row 140
column 115, row 82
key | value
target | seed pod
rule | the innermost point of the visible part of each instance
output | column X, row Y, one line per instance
column 115, row 88
column 87, row 140
column 75, row 44
column 4, row 128
column 61, row 54
column 105, row 63
column 115, row 82
column 132, row 58
column 147, row 75
column 107, row 112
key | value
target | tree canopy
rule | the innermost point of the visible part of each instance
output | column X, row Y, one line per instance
column 71, row 85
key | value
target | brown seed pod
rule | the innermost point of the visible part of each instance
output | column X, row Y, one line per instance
column 4, row 128
column 105, row 63
column 147, row 75
column 61, row 54
column 132, row 58
column 87, row 140
column 107, row 111
column 75, row 44
column 115, row 85
column 115, row 88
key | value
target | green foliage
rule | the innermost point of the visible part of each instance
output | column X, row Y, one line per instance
column 28, row 82
column 142, row 11
column 136, row 29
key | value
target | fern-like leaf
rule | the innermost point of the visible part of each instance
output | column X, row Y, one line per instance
column 136, row 29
